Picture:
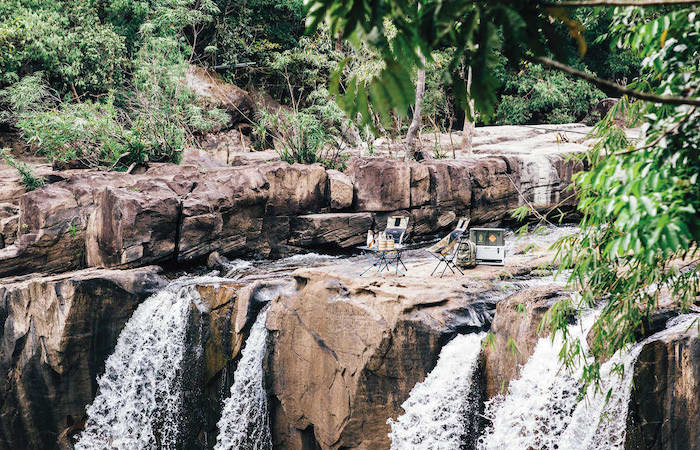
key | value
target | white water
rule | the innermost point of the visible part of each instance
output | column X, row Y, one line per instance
column 139, row 398
column 596, row 424
column 537, row 407
column 437, row 409
column 245, row 422
column 539, row 410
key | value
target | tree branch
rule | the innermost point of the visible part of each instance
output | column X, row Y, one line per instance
column 585, row 3
column 621, row 90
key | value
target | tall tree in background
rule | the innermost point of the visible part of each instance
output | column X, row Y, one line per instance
column 412, row 138
column 469, row 118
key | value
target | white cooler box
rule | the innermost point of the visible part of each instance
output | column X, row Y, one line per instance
column 490, row 245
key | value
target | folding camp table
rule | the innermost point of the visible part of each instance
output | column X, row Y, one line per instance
column 384, row 259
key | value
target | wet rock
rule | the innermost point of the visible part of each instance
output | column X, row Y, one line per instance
column 341, row 190
column 517, row 320
column 345, row 353
column 664, row 407
column 56, row 333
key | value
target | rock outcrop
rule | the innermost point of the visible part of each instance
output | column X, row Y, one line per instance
column 56, row 333
column 172, row 213
column 516, row 322
column 664, row 408
column 345, row 353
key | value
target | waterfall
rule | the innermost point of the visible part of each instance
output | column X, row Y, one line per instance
column 541, row 410
column 245, row 422
column 537, row 407
column 440, row 410
column 597, row 424
column 139, row 398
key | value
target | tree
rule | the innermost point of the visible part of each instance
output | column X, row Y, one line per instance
column 468, row 128
column 414, row 128
column 640, row 199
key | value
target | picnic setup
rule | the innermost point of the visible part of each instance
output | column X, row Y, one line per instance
column 461, row 248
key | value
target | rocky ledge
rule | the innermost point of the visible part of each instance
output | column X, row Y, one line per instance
column 182, row 213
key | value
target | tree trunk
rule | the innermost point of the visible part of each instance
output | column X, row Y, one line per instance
column 414, row 128
column 468, row 128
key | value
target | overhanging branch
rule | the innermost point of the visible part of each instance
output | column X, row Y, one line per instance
column 621, row 90
column 584, row 3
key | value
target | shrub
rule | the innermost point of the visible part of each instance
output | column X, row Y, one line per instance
column 300, row 137
column 536, row 95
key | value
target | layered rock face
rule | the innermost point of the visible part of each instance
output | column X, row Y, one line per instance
column 56, row 334
column 183, row 213
column 664, row 408
column 345, row 353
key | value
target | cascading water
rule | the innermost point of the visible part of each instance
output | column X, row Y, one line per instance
column 537, row 407
column 139, row 400
column 439, row 411
column 245, row 422
column 540, row 408
column 597, row 424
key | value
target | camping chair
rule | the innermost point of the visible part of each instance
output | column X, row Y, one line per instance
column 396, row 228
column 445, row 250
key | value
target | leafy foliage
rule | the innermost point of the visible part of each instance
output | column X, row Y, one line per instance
column 640, row 198
column 536, row 95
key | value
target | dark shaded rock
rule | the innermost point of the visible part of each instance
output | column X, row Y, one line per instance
column 664, row 407
column 55, row 336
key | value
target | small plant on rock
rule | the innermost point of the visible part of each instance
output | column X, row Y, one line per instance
column 29, row 180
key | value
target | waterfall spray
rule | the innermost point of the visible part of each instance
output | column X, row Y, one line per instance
column 440, row 410
column 139, row 399
column 537, row 407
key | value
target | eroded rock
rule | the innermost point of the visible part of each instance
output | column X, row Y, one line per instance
column 345, row 353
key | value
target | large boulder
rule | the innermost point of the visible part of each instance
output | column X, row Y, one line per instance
column 380, row 184
column 55, row 335
column 495, row 184
column 225, row 213
column 664, row 407
column 330, row 230
column 345, row 353
column 517, row 319
column 134, row 226
column 213, row 90
column 296, row 189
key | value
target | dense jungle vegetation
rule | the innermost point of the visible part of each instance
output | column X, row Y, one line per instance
column 102, row 80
